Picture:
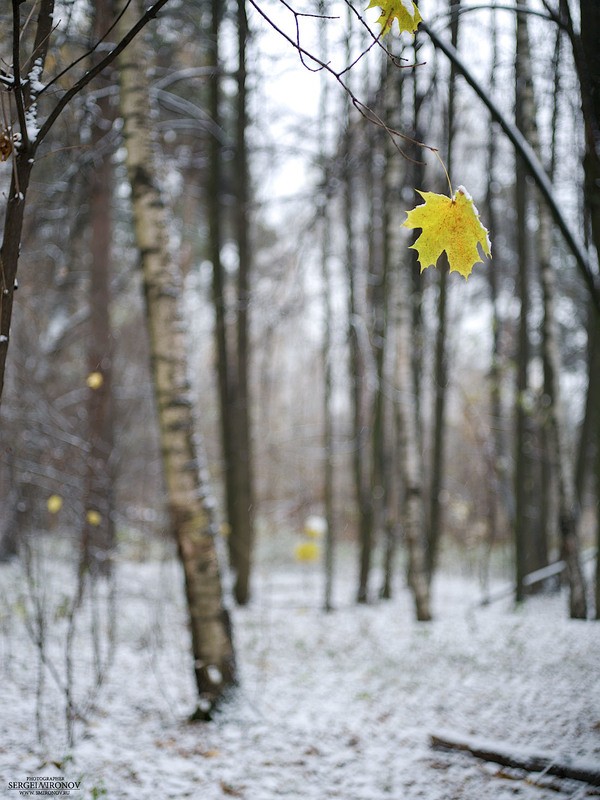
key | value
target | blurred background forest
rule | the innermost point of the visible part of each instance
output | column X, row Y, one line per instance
column 456, row 421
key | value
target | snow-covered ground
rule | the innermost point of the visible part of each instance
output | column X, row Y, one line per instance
column 336, row 705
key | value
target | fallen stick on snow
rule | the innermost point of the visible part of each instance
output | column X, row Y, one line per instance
column 562, row 766
column 532, row 578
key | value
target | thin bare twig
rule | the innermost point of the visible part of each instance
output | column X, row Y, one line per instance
column 361, row 107
column 18, row 88
column 98, row 68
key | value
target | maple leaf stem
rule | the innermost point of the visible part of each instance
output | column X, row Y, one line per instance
column 441, row 160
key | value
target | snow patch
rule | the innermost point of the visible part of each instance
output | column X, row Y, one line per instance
column 337, row 705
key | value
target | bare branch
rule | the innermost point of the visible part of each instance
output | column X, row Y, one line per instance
column 17, row 85
column 531, row 160
column 87, row 54
column 361, row 107
column 98, row 68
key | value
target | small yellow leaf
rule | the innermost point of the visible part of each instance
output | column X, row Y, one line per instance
column 94, row 380
column 307, row 551
column 451, row 224
column 405, row 11
column 54, row 503
column 93, row 518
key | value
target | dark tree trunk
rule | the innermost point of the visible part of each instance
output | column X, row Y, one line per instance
column 225, row 363
column 440, row 378
column 244, row 491
column 98, row 539
column 523, row 467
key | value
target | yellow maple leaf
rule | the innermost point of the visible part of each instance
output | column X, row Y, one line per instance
column 451, row 224
column 54, row 503
column 307, row 551
column 405, row 11
column 94, row 380
column 93, row 518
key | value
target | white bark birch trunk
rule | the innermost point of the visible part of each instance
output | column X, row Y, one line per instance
column 186, row 486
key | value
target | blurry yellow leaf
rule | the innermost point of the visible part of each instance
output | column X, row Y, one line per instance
column 93, row 517
column 94, row 380
column 451, row 224
column 405, row 11
column 54, row 503
column 307, row 551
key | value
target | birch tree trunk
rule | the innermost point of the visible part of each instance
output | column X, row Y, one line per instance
column 406, row 286
column 188, row 498
column 410, row 462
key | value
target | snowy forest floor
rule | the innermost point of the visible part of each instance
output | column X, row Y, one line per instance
column 337, row 705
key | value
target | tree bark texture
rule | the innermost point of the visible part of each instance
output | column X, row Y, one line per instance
column 189, row 501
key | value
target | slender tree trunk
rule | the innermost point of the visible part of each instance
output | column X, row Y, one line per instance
column 244, row 491
column 597, row 482
column 327, row 355
column 554, row 432
column 587, row 55
column 410, row 463
column 440, row 380
column 523, row 471
column 9, row 522
column 587, row 59
column 356, row 365
column 587, row 434
column 394, row 99
column 188, row 496
column 22, row 159
column 377, row 301
column 566, row 490
column 499, row 484
column 536, row 543
column 99, row 526
column 225, row 368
